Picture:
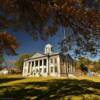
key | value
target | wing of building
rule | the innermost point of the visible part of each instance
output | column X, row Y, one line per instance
column 49, row 64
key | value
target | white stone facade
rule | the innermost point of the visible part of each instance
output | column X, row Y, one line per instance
column 48, row 64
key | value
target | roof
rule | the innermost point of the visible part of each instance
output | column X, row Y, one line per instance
column 67, row 57
column 39, row 55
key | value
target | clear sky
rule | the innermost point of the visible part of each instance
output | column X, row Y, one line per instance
column 28, row 45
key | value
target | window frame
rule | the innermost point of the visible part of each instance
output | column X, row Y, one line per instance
column 55, row 60
column 56, row 69
column 51, row 69
column 33, row 62
column 45, row 70
column 36, row 63
column 45, row 62
column 51, row 60
column 41, row 62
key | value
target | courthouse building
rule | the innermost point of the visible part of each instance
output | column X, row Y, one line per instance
column 49, row 63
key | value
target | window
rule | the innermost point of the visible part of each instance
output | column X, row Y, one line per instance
column 55, row 60
column 44, row 70
column 51, row 69
column 62, row 61
column 45, row 62
column 51, row 60
column 40, row 69
column 37, row 70
column 36, row 63
column 56, row 69
column 32, row 63
column 40, row 62
column 68, row 68
column 34, row 73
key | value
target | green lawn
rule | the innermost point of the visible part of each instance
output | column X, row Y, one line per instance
column 15, row 87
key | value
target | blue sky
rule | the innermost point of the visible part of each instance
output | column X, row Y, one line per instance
column 28, row 45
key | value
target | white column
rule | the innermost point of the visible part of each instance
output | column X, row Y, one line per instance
column 26, row 68
column 23, row 73
column 42, row 67
column 59, row 67
column 30, row 67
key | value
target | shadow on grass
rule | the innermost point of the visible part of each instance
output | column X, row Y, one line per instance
column 55, row 89
column 4, row 80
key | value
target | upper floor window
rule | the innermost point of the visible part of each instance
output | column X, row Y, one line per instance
column 62, row 61
column 36, row 63
column 45, row 62
column 56, row 69
column 40, row 62
column 55, row 60
column 32, row 63
column 51, row 60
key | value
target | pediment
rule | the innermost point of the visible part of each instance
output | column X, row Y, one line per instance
column 36, row 55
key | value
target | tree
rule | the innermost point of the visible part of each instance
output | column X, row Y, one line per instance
column 82, row 60
column 97, row 66
column 20, row 60
column 42, row 18
column 1, row 59
column 8, row 45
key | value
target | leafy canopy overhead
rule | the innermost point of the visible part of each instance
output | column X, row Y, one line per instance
column 42, row 18
column 8, row 44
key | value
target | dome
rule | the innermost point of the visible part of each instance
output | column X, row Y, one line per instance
column 48, row 45
column 48, row 48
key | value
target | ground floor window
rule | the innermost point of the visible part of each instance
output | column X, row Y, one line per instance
column 34, row 73
column 51, row 69
column 37, row 70
column 56, row 69
column 68, row 69
column 40, row 69
column 44, row 70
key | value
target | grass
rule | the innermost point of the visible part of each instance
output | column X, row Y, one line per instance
column 16, row 87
